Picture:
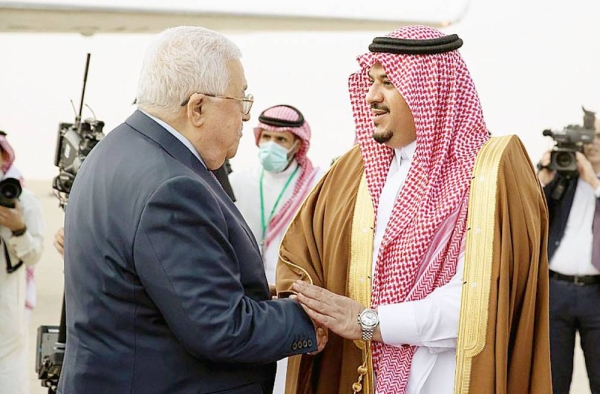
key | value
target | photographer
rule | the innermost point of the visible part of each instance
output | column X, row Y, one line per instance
column 21, row 236
column 574, row 256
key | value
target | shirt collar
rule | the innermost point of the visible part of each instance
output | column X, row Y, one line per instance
column 405, row 154
column 177, row 135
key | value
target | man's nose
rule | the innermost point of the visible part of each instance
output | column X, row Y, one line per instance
column 374, row 95
column 245, row 117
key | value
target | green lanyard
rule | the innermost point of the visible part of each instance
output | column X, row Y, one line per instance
column 262, row 201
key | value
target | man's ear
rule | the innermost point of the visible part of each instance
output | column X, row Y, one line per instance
column 298, row 145
column 196, row 109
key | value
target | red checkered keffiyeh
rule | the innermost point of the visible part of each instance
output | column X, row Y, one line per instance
column 302, row 188
column 431, row 210
column 8, row 154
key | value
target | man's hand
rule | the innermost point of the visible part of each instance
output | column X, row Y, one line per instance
column 12, row 217
column 322, row 339
column 59, row 241
column 322, row 333
column 327, row 309
column 273, row 291
column 586, row 171
column 545, row 175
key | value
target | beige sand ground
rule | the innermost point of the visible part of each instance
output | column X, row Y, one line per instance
column 49, row 279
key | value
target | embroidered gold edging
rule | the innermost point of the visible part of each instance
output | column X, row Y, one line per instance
column 289, row 263
column 323, row 177
column 359, row 271
column 477, row 275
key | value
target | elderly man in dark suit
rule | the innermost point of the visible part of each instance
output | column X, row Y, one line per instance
column 165, row 286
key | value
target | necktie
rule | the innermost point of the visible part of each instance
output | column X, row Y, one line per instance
column 596, row 232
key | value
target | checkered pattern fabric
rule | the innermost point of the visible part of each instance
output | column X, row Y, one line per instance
column 8, row 154
column 302, row 188
column 431, row 210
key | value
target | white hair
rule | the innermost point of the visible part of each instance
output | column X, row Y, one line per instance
column 181, row 61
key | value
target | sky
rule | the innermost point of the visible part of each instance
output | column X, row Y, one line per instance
column 534, row 63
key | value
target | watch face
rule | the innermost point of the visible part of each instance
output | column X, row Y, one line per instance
column 369, row 318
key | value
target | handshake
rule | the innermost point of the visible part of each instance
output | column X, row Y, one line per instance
column 342, row 315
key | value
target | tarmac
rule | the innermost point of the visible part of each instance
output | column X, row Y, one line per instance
column 49, row 282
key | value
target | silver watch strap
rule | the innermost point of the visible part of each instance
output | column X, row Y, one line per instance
column 367, row 334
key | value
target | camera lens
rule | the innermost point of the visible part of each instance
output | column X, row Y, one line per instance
column 565, row 159
column 10, row 189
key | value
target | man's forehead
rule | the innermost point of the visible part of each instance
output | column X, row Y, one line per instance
column 377, row 71
column 237, row 75
column 284, row 133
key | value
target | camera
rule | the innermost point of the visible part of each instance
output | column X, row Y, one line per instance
column 10, row 190
column 73, row 143
column 568, row 141
column 49, row 356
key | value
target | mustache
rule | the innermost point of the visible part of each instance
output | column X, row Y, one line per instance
column 380, row 107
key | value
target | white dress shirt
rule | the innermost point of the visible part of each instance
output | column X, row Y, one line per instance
column 177, row 135
column 430, row 323
column 574, row 254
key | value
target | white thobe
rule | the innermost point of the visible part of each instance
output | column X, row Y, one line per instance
column 14, row 357
column 431, row 324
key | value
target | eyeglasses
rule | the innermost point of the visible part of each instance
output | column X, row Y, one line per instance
column 246, row 101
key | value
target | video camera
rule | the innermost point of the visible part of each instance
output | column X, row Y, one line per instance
column 74, row 142
column 568, row 141
column 49, row 356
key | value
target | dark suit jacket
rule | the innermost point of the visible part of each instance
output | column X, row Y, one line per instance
column 222, row 174
column 559, row 208
column 165, row 286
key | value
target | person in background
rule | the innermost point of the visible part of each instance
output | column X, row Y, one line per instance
column 273, row 191
column 21, row 238
column 574, row 255
column 11, row 171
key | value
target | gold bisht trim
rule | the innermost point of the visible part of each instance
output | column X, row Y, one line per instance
column 472, row 327
column 303, row 273
column 359, row 275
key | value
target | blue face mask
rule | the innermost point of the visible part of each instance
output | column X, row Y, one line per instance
column 274, row 157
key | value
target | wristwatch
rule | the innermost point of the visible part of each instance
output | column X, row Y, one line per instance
column 368, row 320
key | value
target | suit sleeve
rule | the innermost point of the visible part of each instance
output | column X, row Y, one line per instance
column 190, row 270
